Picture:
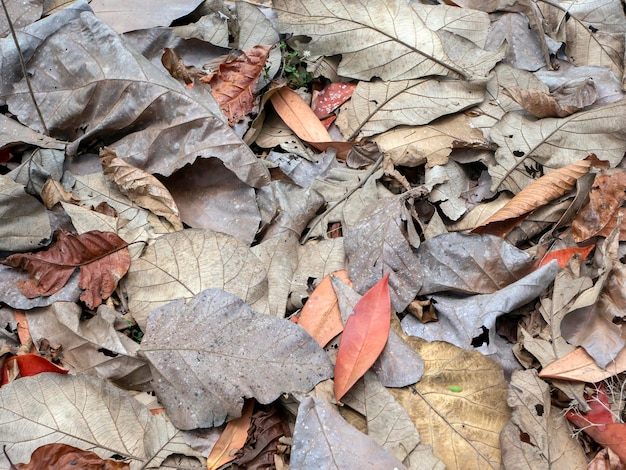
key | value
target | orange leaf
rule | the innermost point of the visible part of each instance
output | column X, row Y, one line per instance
column 364, row 336
column 564, row 255
column 29, row 365
column 234, row 83
column 331, row 97
column 102, row 257
column 299, row 116
column 580, row 366
column 320, row 316
column 23, row 332
column 232, row 439
column 547, row 188
column 63, row 456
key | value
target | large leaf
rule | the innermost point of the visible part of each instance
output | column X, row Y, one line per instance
column 201, row 379
column 182, row 264
column 528, row 145
column 56, row 456
column 134, row 98
column 323, row 439
column 85, row 412
column 386, row 39
column 364, row 336
column 102, row 257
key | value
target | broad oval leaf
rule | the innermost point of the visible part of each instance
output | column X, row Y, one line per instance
column 85, row 412
column 58, row 456
column 323, row 439
column 364, row 336
column 386, row 39
column 201, row 378
column 182, row 264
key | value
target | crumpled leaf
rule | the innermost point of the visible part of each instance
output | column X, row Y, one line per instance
column 102, row 257
column 141, row 187
column 600, row 215
column 378, row 106
column 458, row 406
column 462, row 320
column 24, row 222
column 138, row 96
column 249, row 354
column 383, row 39
column 175, row 65
column 84, row 412
column 539, row 104
column 364, row 336
column 182, row 264
column 322, row 439
column 448, row 182
column 549, row 443
column 231, row 439
column 37, row 168
column 141, row 14
column 555, row 142
column 11, row 295
column 523, row 48
column 234, row 83
column 60, row 456
column 27, row 365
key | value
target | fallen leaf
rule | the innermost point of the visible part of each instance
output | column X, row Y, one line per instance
column 61, row 409
column 231, row 439
column 331, row 97
column 140, row 186
column 177, row 68
column 563, row 256
column 60, row 456
column 579, row 365
column 323, row 439
column 250, row 354
column 27, row 366
column 320, row 316
column 102, row 258
column 234, row 83
column 363, row 337
column 538, row 103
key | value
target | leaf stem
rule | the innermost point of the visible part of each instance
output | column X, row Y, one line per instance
column 23, row 65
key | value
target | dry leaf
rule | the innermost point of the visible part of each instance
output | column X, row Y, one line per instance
column 102, row 257
column 363, row 337
column 62, row 456
column 539, row 104
column 232, row 439
column 177, row 68
column 140, row 186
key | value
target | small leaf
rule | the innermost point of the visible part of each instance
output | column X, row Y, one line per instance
column 61, row 456
column 563, row 256
column 177, row 68
column 232, row 439
column 29, row 365
column 331, row 97
column 102, row 257
column 364, row 336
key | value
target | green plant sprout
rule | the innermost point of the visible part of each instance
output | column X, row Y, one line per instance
column 293, row 69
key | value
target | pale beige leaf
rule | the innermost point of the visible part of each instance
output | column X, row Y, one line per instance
column 53, row 192
column 184, row 263
column 448, row 182
column 140, row 186
column 539, row 104
column 378, row 106
column 525, row 145
column 380, row 38
column 549, row 435
column 538, row 193
column 479, row 214
column 578, row 92
column 458, row 406
column 431, row 143
column 465, row 22
column 84, row 412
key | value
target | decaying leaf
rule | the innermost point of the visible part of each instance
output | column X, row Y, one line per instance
column 58, row 456
column 363, row 337
column 54, row 408
column 234, row 83
column 323, row 439
column 140, row 186
column 248, row 354
column 232, row 439
column 102, row 257
column 177, row 68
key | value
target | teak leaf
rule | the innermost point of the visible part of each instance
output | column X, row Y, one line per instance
column 364, row 336
column 102, row 257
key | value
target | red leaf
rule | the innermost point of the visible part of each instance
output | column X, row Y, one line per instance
column 364, row 336
column 563, row 256
column 331, row 97
column 63, row 456
column 29, row 365
column 102, row 257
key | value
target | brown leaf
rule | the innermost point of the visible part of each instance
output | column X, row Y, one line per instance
column 63, row 456
column 102, row 257
column 177, row 68
column 232, row 439
column 140, row 186
column 580, row 366
column 234, row 83
column 538, row 103
column 605, row 198
column 547, row 188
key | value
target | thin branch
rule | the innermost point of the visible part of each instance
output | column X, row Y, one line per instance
column 23, row 65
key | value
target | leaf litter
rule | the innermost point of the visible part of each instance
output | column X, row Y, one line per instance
column 192, row 188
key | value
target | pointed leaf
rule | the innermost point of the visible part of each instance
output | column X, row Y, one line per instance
column 580, row 366
column 538, row 103
column 59, row 456
column 331, row 97
column 298, row 116
column 232, row 439
column 563, row 256
column 102, row 257
column 364, row 336
column 27, row 366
